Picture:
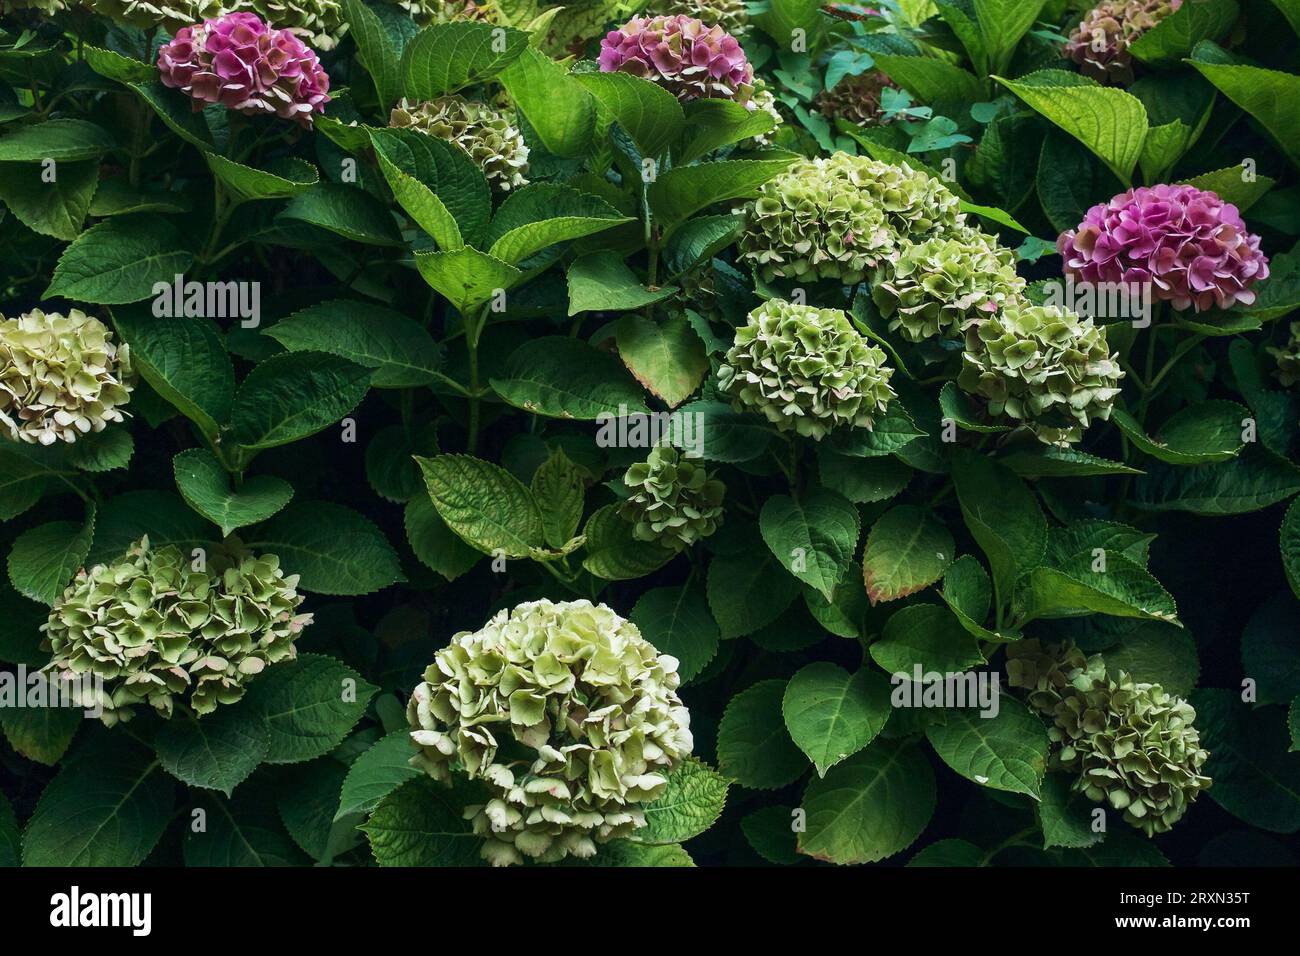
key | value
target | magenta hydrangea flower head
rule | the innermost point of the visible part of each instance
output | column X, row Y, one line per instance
column 683, row 55
column 1188, row 243
column 246, row 64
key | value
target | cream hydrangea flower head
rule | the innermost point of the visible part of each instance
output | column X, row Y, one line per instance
column 568, row 717
column 487, row 134
column 61, row 376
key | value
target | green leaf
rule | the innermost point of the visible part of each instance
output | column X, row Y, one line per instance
column 437, row 183
column 697, row 240
column 950, row 853
column 713, row 123
column 780, row 19
column 421, row 824
column 870, row 807
column 1122, row 589
column 489, row 508
column 1107, row 120
column 650, row 114
column 42, row 734
column 291, row 177
column 115, row 66
column 676, row 620
column 907, row 550
column 930, row 79
column 726, row 435
column 333, row 549
column 1002, row 25
column 889, row 434
column 1176, row 35
column 666, row 357
column 861, row 480
column 748, row 591
column 770, row 832
column 120, row 260
column 1205, row 432
column 1005, row 751
column 1272, row 97
column 375, row 50
column 691, row 804
column 44, row 559
column 560, row 377
column 625, row 854
column 466, row 277
column 307, row 804
column 927, row 636
column 1289, row 541
column 1003, row 517
column 293, row 395
column 1050, row 461
column 60, row 140
column 613, row 554
column 1268, row 650
column 109, row 807
column 681, row 192
column 309, row 705
column 433, row 543
column 185, row 362
column 1069, row 181
column 243, row 832
column 376, row 773
column 754, row 748
column 602, row 282
column 176, row 110
column 542, row 214
column 347, row 211
column 557, row 487
column 1065, row 816
column 832, row 714
column 401, row 352
column 163, row 516
column 103, row 451
column 1235, row 185
column 22, row 480
column 55, row 208
column 216, row 752
column 1253, row 480
column 1157, row 653
column 556, row 105
column 1256, row 778
column 205, row 486
column 446, row 57
column 814, row 537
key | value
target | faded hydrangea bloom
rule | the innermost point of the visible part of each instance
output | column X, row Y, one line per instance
column 836, row 218
column 855, row 98
column 1187, row 243
column 153, row 627
column 806, row 370
column 731, row 15
column 1288, row 358
column 318, row 22
column 61, row 376
column 674, row 500
column 488, row 135
column 1132, row 745
column 934, row 287
column 1100, row 43
column 1043, row 367
column 248, row 66
column 765, row 100
column 567, row 715
column 690, row 59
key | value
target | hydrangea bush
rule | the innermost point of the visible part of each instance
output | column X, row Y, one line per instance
column 495, row 433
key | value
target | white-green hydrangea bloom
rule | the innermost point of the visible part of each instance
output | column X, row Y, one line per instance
column 936, row 286
column 731, row 15
column 1132, row 745
column 487, row 134
column 61, row 376
column 1043, row 367
column 319, row 23
column 153, row 628
column 836, row 218
column 568, row 717
column 674, row 501
column 806, row 370
column 1288, row 358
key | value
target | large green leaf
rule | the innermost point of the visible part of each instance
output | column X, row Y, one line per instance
column 347, row 211
column 832, row 714
column 466, row 277
column 676, row 620
column 290, row 177
column 43, row 559
column 489, row 508
column 1207, row 431
column 1272, row 97
column 333, row 549
column 814, row 536
column 1176, row 35
column 243, row 832
column 1253, row 480
column 1003, row 516
column 1121, row 588
column 1002, row 25
column 650, row 114
column 613, row 554
column 556, row 105
column 57, row 140
column 748, row 591
column 445, row 57
column 216, row 752
column 120, row 260
column 309, row 705
column 925, row 636
column 422, row 824
column 543, row 214
column 1256, row 777
column 559, row 491
column 679, row 193
column 714, row 123
column 205, row 486
column 908, row 549
column 560, row 377
column 55, row 208
column 293, row 395
column 754, row 748
column 41, row 733
column 1005, row 751
column 437, row 183
column 691, row 803
column 932, row 80
column 869, row 807
column 376, row 773
column 602, row 282
column 375, row 50
column 667, row 357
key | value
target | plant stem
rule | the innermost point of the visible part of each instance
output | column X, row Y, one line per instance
column 472, row 334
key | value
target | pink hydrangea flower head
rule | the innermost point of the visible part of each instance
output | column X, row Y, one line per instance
column 1188, row 243
column 685, row 56
column 248, row 65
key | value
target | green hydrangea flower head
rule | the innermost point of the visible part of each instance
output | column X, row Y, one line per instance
column 674, row 500
column 855, row 98
column 425, row 12
column 487, row 134
column 1288, row 358
column 1043, row 367
column 806, row 370
column 1130, row 744
column 152, row 627
column 47, row 7
column 836, row 218
column 319, row 23
column 568, row 717
column 61, row 376
column 936, row 286
column 731, row 15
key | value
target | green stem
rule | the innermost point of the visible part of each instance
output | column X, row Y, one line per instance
column 472, row 334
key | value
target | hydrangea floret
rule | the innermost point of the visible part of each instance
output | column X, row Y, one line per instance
column 487, row 134
column 855, row 98
column 567, row 716
column 248, row 66
column 690, row 59
column 806, row 370
column 1100, row 43
column 673, row 500
column 61, row 376
column 1042, row 367
column 1187, row 243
